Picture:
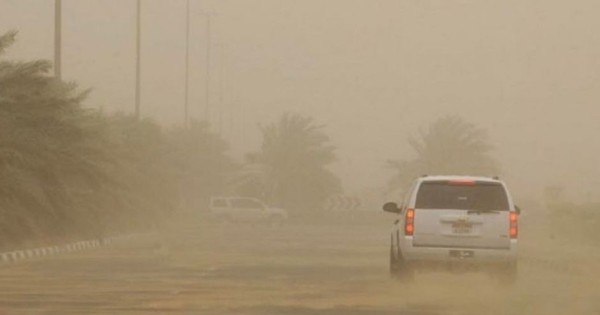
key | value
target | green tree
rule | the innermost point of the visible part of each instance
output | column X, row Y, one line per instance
column 449, row 146
column 142, row 188
column 200, row 162
column 71, row 172
column 291, row 170
column 46, row 141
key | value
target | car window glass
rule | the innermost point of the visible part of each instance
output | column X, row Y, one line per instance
column 219, row 203
column 479, row 196
column 246, row 204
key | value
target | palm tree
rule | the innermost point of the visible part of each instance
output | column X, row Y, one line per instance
column 291, row 167
column 450, row 145
column 68, row 171
column 200, row 161
column 49, row 146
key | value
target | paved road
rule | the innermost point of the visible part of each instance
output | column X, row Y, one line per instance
column 299, row 269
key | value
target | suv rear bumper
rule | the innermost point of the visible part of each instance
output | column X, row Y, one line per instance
column 458, row 254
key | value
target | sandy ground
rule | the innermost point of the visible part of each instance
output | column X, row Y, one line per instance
column 299, row 269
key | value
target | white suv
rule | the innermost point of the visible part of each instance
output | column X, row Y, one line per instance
column 455, row 222
column 242, row 209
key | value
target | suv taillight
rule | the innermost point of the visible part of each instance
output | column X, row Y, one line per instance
column 409, row 222
column 514, row 228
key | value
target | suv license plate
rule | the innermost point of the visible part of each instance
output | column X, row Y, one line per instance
column 462, row 253
column 461, row 229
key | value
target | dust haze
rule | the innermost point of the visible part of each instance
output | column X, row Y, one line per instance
column 316, row 112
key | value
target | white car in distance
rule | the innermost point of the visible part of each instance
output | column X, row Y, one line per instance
column 245, row 210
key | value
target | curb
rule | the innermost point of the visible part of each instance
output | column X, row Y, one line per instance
column 27, row 254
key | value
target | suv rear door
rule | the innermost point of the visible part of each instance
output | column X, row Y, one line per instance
column 247, row 209
column 218, row 205
column 462, row 213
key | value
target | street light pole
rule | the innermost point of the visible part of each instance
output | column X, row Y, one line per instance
column 207, row 81
column 221, row 86
column 57, row 38
column 137, row 60
column 187, row 64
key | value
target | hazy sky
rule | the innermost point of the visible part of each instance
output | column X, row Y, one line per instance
column 373, row 71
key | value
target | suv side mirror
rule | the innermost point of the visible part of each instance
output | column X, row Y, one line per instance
column 391, row 207
column 517, row 209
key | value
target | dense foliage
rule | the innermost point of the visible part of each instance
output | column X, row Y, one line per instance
column 449, row 146
column 291, row 168
column 71, row 172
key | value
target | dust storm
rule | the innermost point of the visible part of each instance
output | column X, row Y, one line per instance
column 233, row 157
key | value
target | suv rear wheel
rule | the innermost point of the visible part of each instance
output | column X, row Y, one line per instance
column 398, row 267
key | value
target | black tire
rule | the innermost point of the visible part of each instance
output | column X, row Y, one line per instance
column 399, row 269
column 393, row 263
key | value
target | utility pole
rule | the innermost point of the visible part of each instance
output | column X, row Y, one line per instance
column 187, row 64
column 57, row 38
column 207, row 81
column 221, row 85
column 137, row 60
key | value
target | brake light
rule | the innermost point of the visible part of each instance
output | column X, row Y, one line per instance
column 409, row 222
column 514, row 228
column 461, row 182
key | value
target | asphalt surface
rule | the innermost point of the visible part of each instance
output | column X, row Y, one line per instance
column 332, row 267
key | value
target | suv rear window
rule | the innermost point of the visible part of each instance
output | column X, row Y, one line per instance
column 219, row 203
column 246, row 204
column 475, row 196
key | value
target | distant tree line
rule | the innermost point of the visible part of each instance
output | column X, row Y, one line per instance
column 67, row 171
column 71, row 172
